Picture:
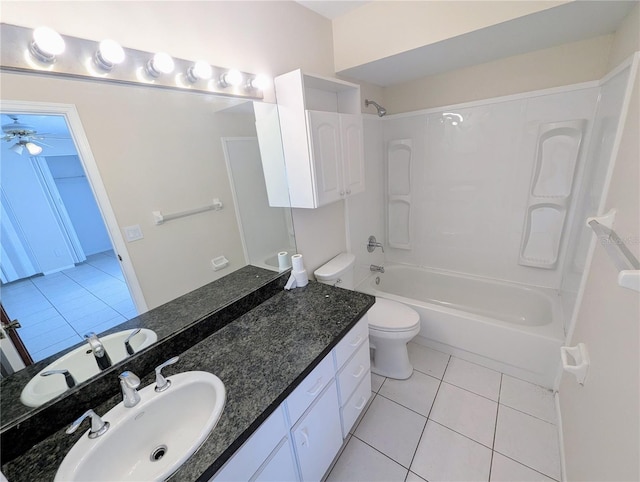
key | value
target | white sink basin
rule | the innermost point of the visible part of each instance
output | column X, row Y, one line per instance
column 82, row 365
column 153, row 439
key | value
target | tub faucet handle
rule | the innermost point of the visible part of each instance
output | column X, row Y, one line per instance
column 372, row 244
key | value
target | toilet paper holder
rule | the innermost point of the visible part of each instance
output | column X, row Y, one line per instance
column 575, row 359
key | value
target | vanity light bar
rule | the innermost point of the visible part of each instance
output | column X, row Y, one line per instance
column 88, row 59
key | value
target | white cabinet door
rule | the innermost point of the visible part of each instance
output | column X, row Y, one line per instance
column 352, row 153
column 318, row 436
column 326, row 155
column 280, row 467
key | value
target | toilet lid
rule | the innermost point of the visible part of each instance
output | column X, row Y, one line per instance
column 387, row 315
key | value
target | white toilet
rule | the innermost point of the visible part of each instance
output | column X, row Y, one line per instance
column 391, row 324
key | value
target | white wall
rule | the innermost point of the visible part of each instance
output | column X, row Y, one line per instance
column 600, row 420
column 124, row 124
column 553, row 67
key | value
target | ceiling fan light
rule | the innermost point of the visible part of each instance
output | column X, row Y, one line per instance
column 34, row 149
column 17, row 148
column 46, row 44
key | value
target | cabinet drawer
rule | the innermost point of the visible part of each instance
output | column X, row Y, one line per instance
column 254, row 451
column 310, row 388
column 350, row 343
column 355, row 405
column 354, row 372
column 318, row 436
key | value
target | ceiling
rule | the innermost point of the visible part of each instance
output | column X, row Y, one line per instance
column 570, row 22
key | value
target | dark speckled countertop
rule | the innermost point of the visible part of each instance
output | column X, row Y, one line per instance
column 261, row 357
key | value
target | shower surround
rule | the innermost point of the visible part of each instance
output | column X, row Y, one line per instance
column 496, row 191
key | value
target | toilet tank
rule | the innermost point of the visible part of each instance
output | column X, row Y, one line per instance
column 338, row 272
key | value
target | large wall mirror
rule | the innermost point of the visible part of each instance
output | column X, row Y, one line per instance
column 66, row 219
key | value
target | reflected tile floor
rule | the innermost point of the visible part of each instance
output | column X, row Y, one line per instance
column 452, row 420
column 56, row 310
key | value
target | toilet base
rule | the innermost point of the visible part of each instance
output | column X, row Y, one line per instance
column 390, row 356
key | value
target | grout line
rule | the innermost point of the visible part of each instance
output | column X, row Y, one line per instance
column 377, row 450
column 470, row 391
column 409, row 408
column 530, row 415
column 525, row 465
column 495, row 428
column 460, row 433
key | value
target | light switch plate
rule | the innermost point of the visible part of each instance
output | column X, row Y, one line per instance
column 133, row 233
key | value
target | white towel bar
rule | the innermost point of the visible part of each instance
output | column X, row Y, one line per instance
column 160, row 218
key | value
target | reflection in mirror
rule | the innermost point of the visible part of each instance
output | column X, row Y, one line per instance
column 257, row 175
column 215, row 125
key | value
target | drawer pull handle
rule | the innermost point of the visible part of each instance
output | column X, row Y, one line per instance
column 316, row 388
column 357, row 341
column 360, row 372
column 361, row 405
column 305, row 436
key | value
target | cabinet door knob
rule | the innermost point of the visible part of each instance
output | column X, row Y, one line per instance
column 342, row 193
column 348, row 191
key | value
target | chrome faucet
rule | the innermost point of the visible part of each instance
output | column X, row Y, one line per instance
column 98, row 426
column 375, row 267
column 373, row 244
column 127, row 342
column 68, row 378
column 161, row 382
column 102, row 357
column 129, row 382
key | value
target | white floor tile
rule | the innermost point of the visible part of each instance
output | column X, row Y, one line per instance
column 426, row 360
column 45, row 339
column 81, row 311
column 528, row 398
column 417, row 392
column 28, row 331
column 361, row 463
column 391, row 429
column 528, row 440
column 474, row 378
column 55, row 348
column 466, row 413
column 376, row 382
column 444, row 455
column 106, row 325
column 504, row 469
column 86, row 323
column 411, row 477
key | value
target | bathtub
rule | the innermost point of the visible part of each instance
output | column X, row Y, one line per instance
column 512, row 328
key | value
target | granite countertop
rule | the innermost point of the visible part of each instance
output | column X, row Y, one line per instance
column 260, row 357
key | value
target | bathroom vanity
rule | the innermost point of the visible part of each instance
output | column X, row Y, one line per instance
column 294, row 363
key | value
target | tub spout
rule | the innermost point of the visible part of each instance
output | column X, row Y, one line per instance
column 375, row 267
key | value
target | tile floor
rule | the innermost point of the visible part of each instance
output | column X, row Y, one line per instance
column 452, row 421
column 56, row 310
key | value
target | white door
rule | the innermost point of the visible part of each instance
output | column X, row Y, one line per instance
column 326, row 156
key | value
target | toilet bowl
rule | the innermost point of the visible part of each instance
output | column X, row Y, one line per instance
column 391, row 324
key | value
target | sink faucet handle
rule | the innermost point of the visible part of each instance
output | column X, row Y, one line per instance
column 98, row 426
column 127, row 344
column 161, row 382
column 71, row 382
column 129, row 382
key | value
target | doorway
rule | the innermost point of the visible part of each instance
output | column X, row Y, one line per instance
column 65, row 269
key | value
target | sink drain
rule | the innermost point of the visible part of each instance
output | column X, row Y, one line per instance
column 158, row 453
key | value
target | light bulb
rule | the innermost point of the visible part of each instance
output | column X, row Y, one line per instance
column 161, row 63
column 199, row 70
column 109, row 53
column 231, row 78
column 259, row 82
column 17, row 148
column 47, row 43
column 33, row 149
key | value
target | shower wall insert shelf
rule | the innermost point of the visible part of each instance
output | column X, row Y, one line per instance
column 399, row 157
column 623, row 259
column 160, row 218
column 556, row 158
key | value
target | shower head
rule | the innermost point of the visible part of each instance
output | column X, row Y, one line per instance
column 381, row 110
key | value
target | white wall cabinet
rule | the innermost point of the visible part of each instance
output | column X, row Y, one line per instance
column 300, row 440
column 322, row 139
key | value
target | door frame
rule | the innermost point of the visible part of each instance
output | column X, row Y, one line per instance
column 92, row 172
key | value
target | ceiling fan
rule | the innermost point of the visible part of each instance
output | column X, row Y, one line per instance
column 26, row 137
